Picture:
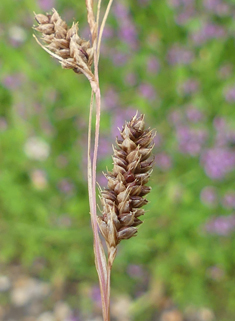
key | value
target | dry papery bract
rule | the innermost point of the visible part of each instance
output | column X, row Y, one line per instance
column 72, row 51
column 123, row 198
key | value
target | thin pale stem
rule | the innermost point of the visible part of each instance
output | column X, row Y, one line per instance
column 98, row 250
column 111, row 257
column 90, row 17
column 98, row 12
column 102, row 26
column 108, row 290
column 106, row 309
column 98, row 102
column 102, row 269
column 89, row 167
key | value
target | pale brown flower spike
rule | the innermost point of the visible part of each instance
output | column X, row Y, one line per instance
column 123, row 198
column 75, row 52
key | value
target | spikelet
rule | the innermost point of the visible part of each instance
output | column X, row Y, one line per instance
column 74, row 53
column 123, row 198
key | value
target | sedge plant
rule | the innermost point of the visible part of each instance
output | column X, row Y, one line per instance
column 124, row 196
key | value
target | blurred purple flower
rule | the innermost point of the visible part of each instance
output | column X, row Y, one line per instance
column 46, row 4
column 111, row 98
column 147, row 91
column 3, row 124
column 217, row 6
column 68, row 14
column 157, row 140
column 66, row 186
column 163, row 161
column 144, row 2
column 228, row 200
column 192, row 147
column 135, row 271
column 101, row 179
column 225, row 71
column 174, row 3
column 128, row 34
column 95, row 295
column 230, row 94
column 215, row 272
column 179, row 55
column 64, row 221
column 85, row 32
column 178, row 3
column 105, row 147
column 21, row 109
column 119, row 58
column 221, row 139
column 108, row 32
column 189, row 87
column 231, row 137
column 120, row 11
column 221, row 225
column 190, row 140
column 37, row 108
column 193, row 114
column 219, row 123
column 175, row 117
column 223, row 9
column 74, row 317
column 62, row 161
column 209, row 196
column 224, row 136
column 208, row 31
column 13, row 81
column 211, row 4
column 153, row 65
column 47, row 127
column 130, row 79
column 185, row 15
column 218, row 162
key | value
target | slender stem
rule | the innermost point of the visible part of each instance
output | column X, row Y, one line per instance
column 102, row 269
column 90, row 17
column 108, row 291
column 109, row 268
column 106, row 309
column 89, row 171
column 98, row 103
column 102, row 26
column 98, row 12
column 92, row 201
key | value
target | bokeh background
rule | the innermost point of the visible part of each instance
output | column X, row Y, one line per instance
column 172, row 60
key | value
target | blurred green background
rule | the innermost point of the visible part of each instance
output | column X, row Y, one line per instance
column 172, row 60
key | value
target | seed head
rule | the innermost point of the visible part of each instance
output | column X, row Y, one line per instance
column 124, row 196
column 76, row 53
